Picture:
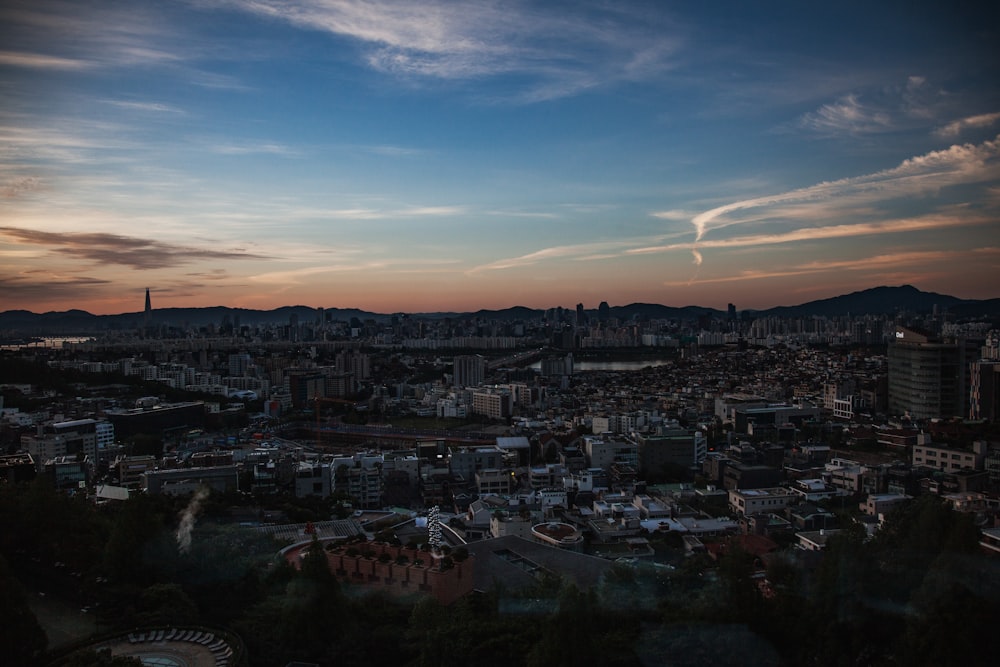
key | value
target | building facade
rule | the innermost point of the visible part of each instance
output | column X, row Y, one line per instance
column 927, row 376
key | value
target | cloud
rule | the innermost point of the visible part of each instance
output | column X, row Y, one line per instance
column 522, row 214
column 841, row 231
column 422, row 211
column 955, row 128
column 880, row 263
column 300, row 276
column 115, row 249
column 20, row 186
column 562, row 53
column 880, row 109
column 360, row 213
column 41, row 61
column 960, row 163
column 61, row 141
column 213, row 275
column 264, row 148
column 393, row 151
column 88, row 35
column 32, row 287
column 846, row 115
column 597, row 250
column 154, row 107
column 674, row 214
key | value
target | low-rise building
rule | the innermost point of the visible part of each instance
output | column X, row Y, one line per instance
column 815, row 540
column 313, row 478
column 881, row 504
column 494, row 481
column 755, row 501
column 950, row 459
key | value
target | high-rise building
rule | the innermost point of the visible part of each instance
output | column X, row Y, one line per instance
column 984, row 390
column 147, row 314
column 469, row 371
column 928, row 376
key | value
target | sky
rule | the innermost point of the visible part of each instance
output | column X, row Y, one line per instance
column 422, row 156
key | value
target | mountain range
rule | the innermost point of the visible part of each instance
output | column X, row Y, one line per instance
column 874, row 301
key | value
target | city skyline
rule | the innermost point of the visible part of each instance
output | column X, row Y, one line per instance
column 434, row 156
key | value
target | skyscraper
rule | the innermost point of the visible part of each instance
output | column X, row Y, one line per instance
column 147, row 315
column 928, row 376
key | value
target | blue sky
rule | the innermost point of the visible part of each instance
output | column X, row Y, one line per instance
column 425, row 156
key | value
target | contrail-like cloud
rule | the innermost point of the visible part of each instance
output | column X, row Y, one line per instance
column 958, row 164
column 188, row 517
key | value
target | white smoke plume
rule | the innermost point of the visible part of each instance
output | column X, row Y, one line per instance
column 188, row 517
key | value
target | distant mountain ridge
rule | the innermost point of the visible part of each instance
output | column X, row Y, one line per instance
column 874, row 301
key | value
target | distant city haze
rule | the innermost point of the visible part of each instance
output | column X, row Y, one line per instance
column 433, row 156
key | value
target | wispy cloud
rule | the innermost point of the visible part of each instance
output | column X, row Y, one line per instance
column 41, row 61
column 912, row 104
column 523, row 214
column 153, row 107
column 424, row 211
column 874, row 263
column 956, row 127
column 115, row 249
column 579, row 251
column 394, row 151
column 20, row 186
column 77, row 36
column 673, row 214
column 369, row 213
column 300, row 276
column 562, row 53
column 841, row 231
column 61, row 141
column 46, row 287
column 846, row 115
column 960, row 163
column 251, row 148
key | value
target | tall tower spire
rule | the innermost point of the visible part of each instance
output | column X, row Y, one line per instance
column 147, row 314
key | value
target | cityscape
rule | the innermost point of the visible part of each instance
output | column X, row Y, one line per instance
column 522, row 333
column 682, row 486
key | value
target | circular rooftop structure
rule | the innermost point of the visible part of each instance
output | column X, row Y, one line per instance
column 558, row 534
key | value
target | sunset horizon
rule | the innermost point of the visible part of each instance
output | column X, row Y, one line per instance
column 451, row 157
column 588, row 306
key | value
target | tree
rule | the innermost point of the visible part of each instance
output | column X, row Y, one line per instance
column 952, row 612
column 138, row 539
column 305, row 621
column 581, row 633
column 165, row 604
column 21, row 635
